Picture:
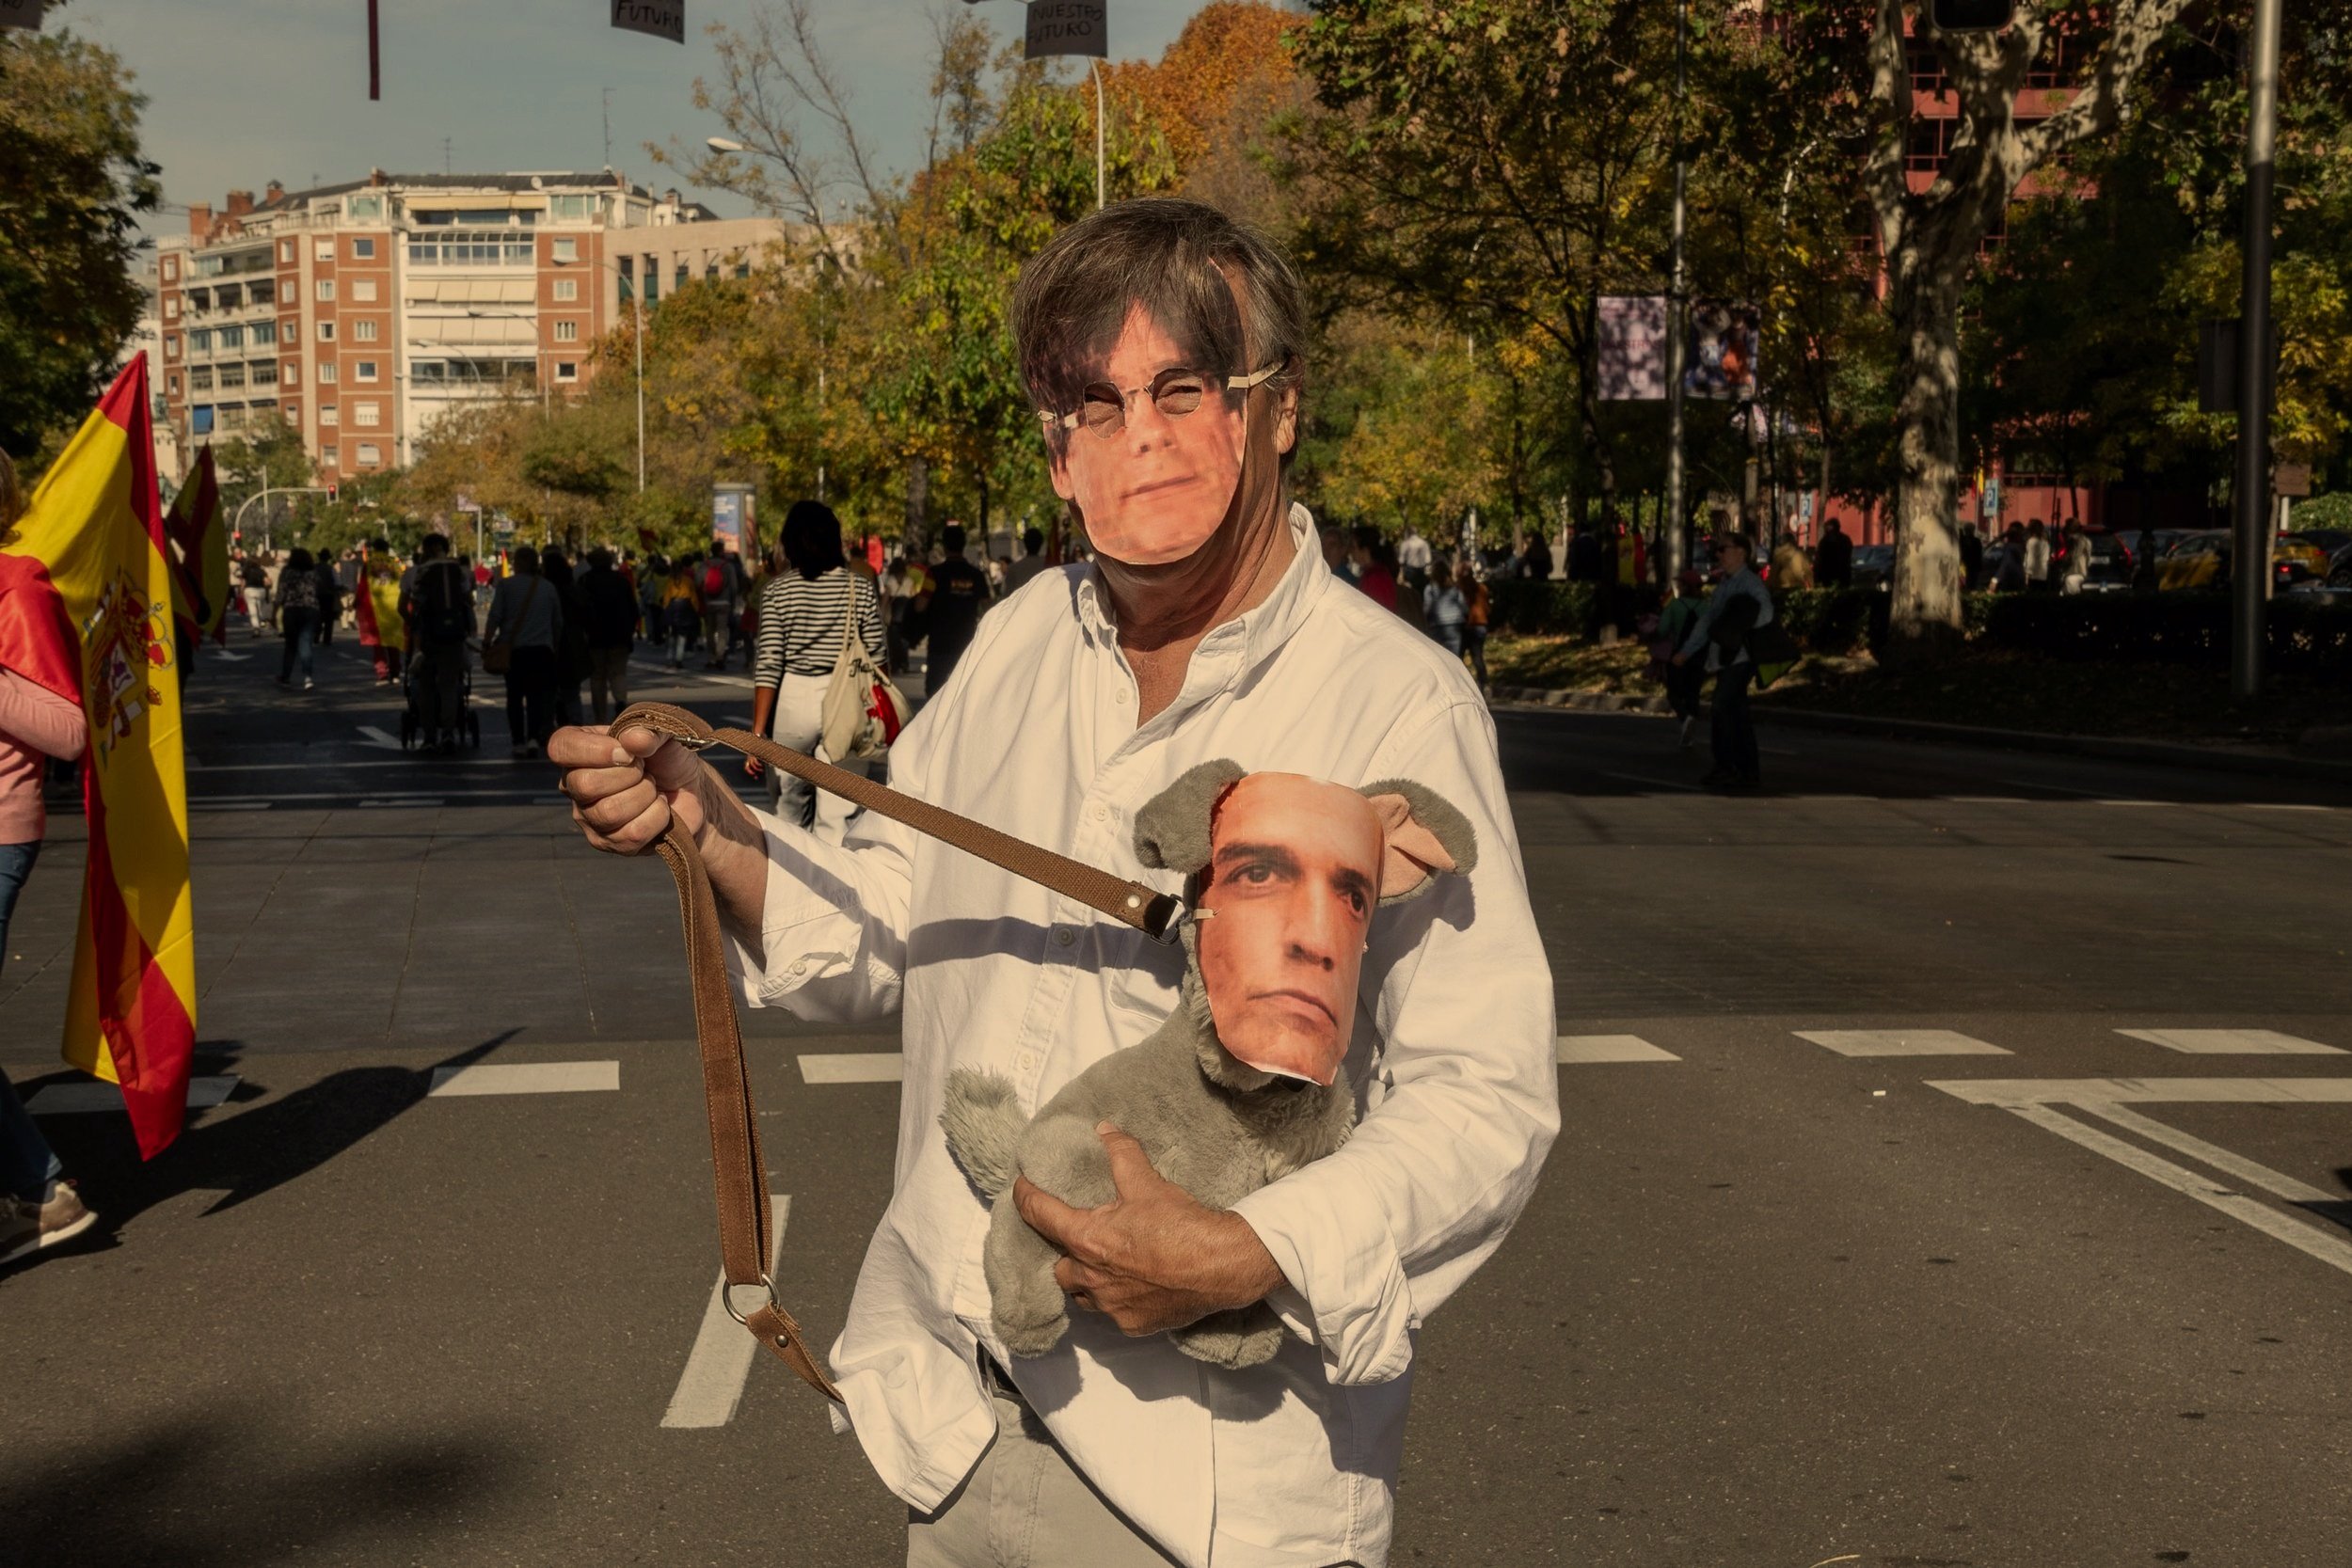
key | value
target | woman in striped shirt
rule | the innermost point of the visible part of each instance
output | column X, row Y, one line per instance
column 803, row 621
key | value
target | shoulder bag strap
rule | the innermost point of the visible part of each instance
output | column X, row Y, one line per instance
column 739, row 1174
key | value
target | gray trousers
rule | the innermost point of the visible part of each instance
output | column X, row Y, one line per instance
column 1024, row 1506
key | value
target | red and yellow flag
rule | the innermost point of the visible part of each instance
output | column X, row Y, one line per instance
column 97, row 525
column 199, row 542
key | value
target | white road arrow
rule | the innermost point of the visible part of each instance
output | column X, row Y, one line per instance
column 381, row 740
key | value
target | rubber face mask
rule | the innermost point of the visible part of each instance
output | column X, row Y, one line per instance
column 1295, row 872
column 1159, row 490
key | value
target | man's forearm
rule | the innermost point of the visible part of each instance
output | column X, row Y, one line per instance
column 735, row 857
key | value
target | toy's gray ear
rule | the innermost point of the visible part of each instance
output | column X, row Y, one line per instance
column 1172, row 829
column 1425, row 835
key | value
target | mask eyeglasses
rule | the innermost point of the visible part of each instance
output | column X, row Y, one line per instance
column 1103, row 407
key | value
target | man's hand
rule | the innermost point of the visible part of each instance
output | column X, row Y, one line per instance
column 1154, row 1257
column 625, row 788
column 1681, row 659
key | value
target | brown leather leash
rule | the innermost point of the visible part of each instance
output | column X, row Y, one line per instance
column 738, row 1172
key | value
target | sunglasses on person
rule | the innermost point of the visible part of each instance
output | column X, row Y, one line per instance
column 1103, row 407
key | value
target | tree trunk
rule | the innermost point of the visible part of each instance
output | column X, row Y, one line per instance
column 1925, row 620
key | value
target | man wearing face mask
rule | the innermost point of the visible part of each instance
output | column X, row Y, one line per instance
column 1163, row 346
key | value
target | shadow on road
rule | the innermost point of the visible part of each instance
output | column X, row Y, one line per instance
column 244, row 1155
column 206, row 1490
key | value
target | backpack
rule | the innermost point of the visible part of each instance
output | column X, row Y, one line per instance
column 714, row 580
column 444, row 614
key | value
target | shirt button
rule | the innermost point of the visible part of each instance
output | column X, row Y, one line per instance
column 1064, row 936
column 1028, row 1059
column 800, row 967
column 1100, row 812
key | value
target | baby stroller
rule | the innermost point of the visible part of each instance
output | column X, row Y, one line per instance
column 415, row 731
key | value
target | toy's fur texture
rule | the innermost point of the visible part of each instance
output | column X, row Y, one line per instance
column 1214, row 1126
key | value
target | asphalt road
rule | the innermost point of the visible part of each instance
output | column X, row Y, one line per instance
column 2057, row 1294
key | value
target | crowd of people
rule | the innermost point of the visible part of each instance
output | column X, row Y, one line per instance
column 1441, row 594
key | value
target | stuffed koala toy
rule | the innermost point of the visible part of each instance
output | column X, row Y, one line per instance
column 1243, row 1084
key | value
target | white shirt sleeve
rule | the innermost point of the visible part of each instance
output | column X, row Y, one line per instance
column 834, row 920
column 1372, row 1239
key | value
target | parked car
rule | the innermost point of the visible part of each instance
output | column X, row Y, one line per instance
column 2201, row 560
column 2109, row 568
column 2340, row 567
column 1873, row 565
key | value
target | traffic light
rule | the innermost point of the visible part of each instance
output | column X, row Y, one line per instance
column 330, row 493
column 1971, row 16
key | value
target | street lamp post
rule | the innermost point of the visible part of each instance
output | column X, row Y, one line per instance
column 1677, row 302
column 2251, row 582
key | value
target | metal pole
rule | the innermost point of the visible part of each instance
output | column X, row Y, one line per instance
column 2247, row 590
column 1673, row 532
column 1096, row 66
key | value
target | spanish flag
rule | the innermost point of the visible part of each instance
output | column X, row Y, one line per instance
column 97, row 525
column 201, row 545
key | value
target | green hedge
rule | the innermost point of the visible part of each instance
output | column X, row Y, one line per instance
column 1534, row 606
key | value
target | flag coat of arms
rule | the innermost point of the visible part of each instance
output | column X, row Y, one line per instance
column 97, row 525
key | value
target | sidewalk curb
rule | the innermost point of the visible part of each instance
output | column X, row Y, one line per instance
column 2168, row 753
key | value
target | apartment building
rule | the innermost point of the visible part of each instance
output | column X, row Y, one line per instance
column 358, row 313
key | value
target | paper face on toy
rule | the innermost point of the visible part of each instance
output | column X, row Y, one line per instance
column 1293, row 874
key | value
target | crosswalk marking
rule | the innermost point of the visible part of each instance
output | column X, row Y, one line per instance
column 526, row 1078
column 2014, row 1092
column 711, row 1386
column 1609, row 1048
column 66, row 1100
column 1900, row 1042
column 2253, row 1173
column 874, row 1067
column 2232, row 1042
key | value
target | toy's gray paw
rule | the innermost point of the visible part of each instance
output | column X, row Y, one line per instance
column 1032, row 1338
column 1245, row 1338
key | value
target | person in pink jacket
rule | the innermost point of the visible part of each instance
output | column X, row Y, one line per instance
column 40, row 716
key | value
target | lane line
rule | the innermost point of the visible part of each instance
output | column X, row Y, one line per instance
column 404, row 800
column 1900, row 1042
column 1655, row 784
column 2253, row 1173
column 526, row 1078
column 2014, row 1092
column 1985, row 800
column 711, row 1386
column 69, row 1100
column 2305, row 1238
column 873, row 1067
column 1608, row 1048
column 2232, row 1042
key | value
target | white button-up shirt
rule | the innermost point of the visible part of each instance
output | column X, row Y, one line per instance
column 1293, row 1462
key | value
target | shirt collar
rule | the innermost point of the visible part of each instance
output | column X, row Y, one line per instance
column 1258, row 632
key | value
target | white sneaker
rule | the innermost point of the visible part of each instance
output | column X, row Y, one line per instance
column 29, row 1225
column 310, row 686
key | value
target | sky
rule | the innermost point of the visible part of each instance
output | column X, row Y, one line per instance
column 242, row 93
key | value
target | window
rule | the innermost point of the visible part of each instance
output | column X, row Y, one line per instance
column 471, row 249
column 171, row 345
column 201, row 379
column 367, row 414
column 230, row 337
column 322, row 251
column 231, row 377
column 293, row 415
column 172, row 306
column 370, row 453
column 327, row 290
column 326, row 372
column 362, row 249
column 626, row 271
column 289, row 331
column 567, row 369
column 229, row 296
column 326, row 332
column 199, row 300
column 366, row 372
column 327, row 416
column 363, row 331
column 264, row 373
column 262, row 293
column 326, row 454
column 285, row 252
column 363, row 207
column 568, row 288
column 566, row 250
column 201, row 419
column 292, row 376
column 172, row 268
column 200, row 340
column 568, row 332
column 171, row 385
column 574, row 207
column 363, row 290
